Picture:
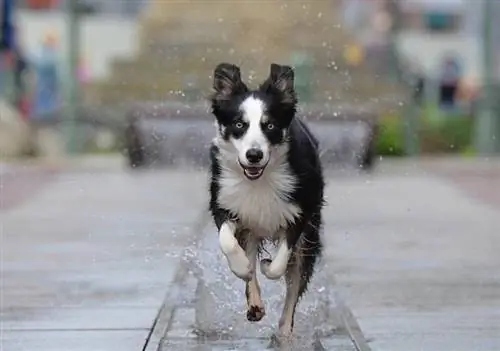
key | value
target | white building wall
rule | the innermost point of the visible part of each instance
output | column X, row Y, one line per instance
column 103, row 37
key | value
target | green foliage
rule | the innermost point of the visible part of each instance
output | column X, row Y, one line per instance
column 438, row 134
column 390, row 138
column 451, row 133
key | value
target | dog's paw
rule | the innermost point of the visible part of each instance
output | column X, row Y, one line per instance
column 255, row 313
column 240, row 265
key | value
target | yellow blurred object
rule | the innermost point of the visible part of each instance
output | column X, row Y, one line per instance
column 50, row 38
column 353, row 54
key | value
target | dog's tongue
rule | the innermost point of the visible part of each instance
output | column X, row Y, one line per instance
column 253, row 171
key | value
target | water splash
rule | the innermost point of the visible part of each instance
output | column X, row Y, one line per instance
column 221, row 304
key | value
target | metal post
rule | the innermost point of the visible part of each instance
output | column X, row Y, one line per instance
column 395, row 13
column 411, row 114
column 72, row 89
column 485, row 125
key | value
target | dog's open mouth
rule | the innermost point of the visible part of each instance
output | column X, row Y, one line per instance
column 252, row 172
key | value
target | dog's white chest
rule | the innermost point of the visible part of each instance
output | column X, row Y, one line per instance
column 260, row 204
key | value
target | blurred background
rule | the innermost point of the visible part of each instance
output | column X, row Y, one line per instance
column 104, row 102
column 426, row 71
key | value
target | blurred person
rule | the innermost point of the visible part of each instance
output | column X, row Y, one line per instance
column 21, row 70
column 13, row 65
column 46, row 93
column 449, row 80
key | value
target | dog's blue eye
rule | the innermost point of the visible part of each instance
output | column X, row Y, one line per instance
column 239, row 125
column 270, row 126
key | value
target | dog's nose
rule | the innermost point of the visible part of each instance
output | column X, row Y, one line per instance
column 254, row 155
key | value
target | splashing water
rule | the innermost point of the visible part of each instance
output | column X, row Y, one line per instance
column 221, row 303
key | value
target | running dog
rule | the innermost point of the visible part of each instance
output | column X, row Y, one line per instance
column 266, row 184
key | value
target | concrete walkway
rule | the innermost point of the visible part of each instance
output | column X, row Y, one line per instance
column 87, row 260
column 415, row 249
column 90, row 262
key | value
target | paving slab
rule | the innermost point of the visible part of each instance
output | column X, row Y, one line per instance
column 79, row 318
column 78, row 340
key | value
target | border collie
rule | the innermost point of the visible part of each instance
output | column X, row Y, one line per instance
column 266, row 185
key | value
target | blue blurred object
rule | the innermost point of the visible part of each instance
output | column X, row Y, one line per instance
column 46, row 91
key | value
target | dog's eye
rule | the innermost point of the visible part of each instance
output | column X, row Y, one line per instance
column 239, row 125
column 270, row 126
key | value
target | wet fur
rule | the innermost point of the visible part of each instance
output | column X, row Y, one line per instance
column 296, row 196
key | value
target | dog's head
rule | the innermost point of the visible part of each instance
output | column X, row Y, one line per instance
column 253, row 122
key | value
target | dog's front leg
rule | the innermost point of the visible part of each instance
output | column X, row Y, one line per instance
column 276, row 268
column 255, row 306
column 235, row 255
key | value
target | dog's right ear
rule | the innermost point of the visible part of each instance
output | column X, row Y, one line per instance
column 227, row 81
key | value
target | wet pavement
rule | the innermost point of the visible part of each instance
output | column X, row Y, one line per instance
column 18, row 184
column 416, row 254
column 87, row 260
column 110, row 260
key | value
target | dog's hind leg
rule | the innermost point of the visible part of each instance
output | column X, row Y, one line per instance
column 299, row 272
column 255, row 306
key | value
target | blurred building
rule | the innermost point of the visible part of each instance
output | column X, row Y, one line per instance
column 473, row 26
column 182, row 41
column 98, row 29
column 434, row 31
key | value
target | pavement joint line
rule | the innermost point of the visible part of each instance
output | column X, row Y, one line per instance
column 352, row 326
column 56, row 330
column 164, row 317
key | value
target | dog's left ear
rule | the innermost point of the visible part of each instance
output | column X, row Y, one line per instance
column 281, row 81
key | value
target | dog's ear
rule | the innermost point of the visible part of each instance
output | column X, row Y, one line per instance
column 227, row 81
column 281, row 81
